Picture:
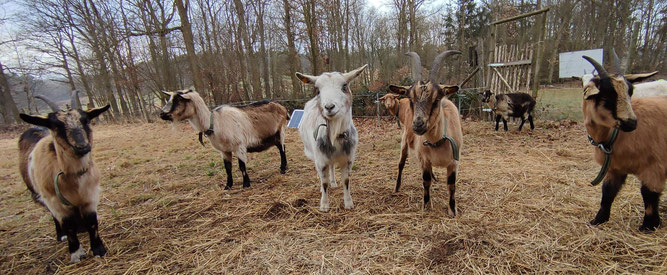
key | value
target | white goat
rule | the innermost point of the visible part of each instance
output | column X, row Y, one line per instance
column 327, row 131
column 647, row 89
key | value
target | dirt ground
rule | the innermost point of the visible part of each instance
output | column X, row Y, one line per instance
column 523, row 200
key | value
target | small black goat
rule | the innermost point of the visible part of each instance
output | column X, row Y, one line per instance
column 511, row 105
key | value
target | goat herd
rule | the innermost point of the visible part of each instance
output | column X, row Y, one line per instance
column 57, row 166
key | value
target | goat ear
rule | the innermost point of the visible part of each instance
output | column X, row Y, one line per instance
column 308, row 79
column 93, row 113
column 447, row 90
column 36, row 120
column 349, row 76
column 168, row 94
column 401, row 90
column 590, row 91
column 188, row 94
column 639, row 77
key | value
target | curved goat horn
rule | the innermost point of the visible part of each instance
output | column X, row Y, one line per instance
column 51, row 104
column 435, row 69
column 416, row 66
column 601, row 71
column 617, row 63
column 74, row 102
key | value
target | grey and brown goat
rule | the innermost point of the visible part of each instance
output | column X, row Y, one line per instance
column 436, row 126
column 505, row 106
column 639, row 148
column 57, row 166
column 232, row 129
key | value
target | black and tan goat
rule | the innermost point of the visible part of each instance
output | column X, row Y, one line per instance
column 436, row 126
column 232, row 129
column 639, row 148
column 511, row 105
column 57, row 166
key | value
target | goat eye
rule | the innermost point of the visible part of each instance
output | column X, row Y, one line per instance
column 344, row 89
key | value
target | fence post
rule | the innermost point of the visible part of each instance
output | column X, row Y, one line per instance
column 377, row 107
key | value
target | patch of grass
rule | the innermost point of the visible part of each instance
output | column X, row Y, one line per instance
column 559, row 104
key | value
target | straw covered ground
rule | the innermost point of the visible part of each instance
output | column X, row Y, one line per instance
column 523, row 200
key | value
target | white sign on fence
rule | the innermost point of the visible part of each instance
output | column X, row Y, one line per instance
column 572, row 64
column 296, row 116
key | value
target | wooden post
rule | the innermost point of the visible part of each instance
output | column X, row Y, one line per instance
column 537, row 52
column 377, row 107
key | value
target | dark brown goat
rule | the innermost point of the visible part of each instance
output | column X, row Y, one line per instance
column 511, row 105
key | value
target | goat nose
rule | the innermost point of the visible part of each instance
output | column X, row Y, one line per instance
column 329, row 106
column 419, row 123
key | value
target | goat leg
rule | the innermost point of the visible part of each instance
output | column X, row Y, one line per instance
column 651, row 212
column 401, row 164
column 610, row 188
column 451, row 183
column 227, row 159
column 96, row 244
column 283, row 158
column 426, row 176
column 76, row 252
column 246, row 179
column 60, row 235
column 530, row 119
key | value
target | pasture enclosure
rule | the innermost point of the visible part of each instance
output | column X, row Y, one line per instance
column 523, row 205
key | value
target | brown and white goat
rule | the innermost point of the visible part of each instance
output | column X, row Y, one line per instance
column 235, row 129
column 430, row 112
column 57, row 167
column 511, row 105
column 641, row 144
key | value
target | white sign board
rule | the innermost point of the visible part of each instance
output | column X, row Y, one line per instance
column 572, row 64
column 296, row 116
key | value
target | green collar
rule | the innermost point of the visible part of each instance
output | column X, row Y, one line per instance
column 63, row 200
column 208, row 131
column 607, row 149
column 455, row 147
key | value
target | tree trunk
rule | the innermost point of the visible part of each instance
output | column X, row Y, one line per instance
column 186, row 30
column 11, row 112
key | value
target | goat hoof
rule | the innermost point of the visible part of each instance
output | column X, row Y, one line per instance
column 283, row 171
column 597, row 221
column 228, row 187
column 99, row 251
column 649, row 225
column 77, row 255
column 246, row 185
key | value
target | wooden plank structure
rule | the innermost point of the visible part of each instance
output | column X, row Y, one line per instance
column 514, row 67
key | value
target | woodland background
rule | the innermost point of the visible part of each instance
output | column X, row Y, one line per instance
column 124, row 52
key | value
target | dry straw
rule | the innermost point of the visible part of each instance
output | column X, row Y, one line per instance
column 523, row 200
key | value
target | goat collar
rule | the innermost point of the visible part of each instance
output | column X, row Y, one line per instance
column 455, row 147
column 607, row 149
column 343, row 135
column 208, row 131
column 62, row 198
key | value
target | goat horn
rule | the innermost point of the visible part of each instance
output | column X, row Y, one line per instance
column 435, row 69
column 51, row 104
column 617, row 62
column 416, row 66
column 74, row 100
column 601, row 71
